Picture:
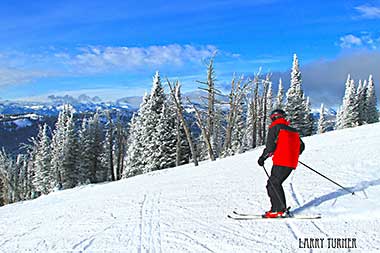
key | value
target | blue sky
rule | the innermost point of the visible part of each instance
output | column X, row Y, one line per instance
column 112, row 48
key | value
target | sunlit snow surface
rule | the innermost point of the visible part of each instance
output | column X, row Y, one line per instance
column 184, row 209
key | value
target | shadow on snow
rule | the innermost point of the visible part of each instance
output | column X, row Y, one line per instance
column 336, row 194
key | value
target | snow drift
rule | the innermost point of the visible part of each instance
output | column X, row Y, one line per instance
column 184, row 209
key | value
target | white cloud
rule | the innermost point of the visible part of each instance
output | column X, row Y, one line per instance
column 349, row 41
column 370, row 12
column 19, row 67
column 324, row 79
column 96, row 59
column 10, row 76
column 363, row 40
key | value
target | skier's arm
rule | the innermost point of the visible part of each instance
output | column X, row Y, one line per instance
column 270, row 146
column 302, row 146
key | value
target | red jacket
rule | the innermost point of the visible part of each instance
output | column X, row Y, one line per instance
column 284, row 143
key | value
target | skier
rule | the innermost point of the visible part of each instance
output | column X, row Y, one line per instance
column 285, row 145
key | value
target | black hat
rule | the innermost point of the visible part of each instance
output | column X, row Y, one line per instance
column 278, row 113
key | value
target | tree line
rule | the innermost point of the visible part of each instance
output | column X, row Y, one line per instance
column 169, row 131
column 78, row 151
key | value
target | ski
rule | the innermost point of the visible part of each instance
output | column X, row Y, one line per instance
column 245, row 214
column 241, row 216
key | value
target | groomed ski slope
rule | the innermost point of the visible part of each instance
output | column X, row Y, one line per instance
column 184, row 209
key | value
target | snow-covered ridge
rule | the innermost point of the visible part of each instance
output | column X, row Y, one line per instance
column 184, row 209
column 55, row 105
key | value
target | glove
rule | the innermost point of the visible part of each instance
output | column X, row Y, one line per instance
column 261, row 161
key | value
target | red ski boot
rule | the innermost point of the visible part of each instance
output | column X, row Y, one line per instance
column 271, row 214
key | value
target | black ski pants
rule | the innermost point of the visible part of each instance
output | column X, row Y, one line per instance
column 274, row 187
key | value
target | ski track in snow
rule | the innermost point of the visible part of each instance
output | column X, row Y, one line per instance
column 296, row 197
column 150, row 235
column 185, row 209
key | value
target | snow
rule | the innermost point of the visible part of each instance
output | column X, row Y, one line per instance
column 184, row 209
column 36, row 107
column 29, row 115
column 190, row 110
column 21, row 123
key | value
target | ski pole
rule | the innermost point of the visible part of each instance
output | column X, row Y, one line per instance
column 353, row 193
column 274, row 189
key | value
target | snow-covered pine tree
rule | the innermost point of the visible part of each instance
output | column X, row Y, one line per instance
column 350, row 108
column 84, row 154
column 165, row 155
column 68, row 171
column 295, row 102
column 119, row 147
column 11, row 181
column 372, row 113
column 97, row 171
column 43, row 174
column 132, row 157
column 322, row 120
column 23, row 177
column 201, row 148
column 279, row 103
column 151, row 117
column 14, row 172
column 361, row 97
column 183, row 152
column 238, row 130
column 3, row 187
column 135, row 160
column 6, row 185
column 309, row 120
column 339, row 116
column 64, row 150
column 108, row 146
column 57, row 146
column 31, row 151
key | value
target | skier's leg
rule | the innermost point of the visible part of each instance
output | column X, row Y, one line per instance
column 273, row 186
column 277, row 177
column 271, row 195
column 282, row 173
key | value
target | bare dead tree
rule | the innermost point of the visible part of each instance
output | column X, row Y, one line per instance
column 174, row 93
column 264, row 107
column 210, row 103
column 205, row 132
column 254, row 113
column 210, row 89
column 238, row 91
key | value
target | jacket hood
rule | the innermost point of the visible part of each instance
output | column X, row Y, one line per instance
column 279, row 121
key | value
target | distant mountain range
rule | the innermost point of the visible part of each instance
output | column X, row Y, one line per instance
column 19, row 120
column 52, row 107
column 81, row 104
column 84, row 103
